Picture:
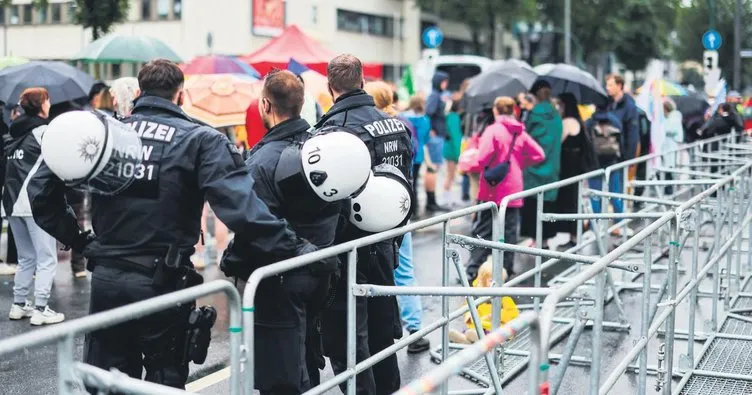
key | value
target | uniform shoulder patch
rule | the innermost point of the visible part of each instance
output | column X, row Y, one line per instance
column 235, row 154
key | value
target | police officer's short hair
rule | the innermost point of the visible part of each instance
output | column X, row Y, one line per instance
column 161, row 78
column 345, row 73
column 285, row 92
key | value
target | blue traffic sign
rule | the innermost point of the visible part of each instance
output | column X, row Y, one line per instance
column 433, row 37
column 712, row 40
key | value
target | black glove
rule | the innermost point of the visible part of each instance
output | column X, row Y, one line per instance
column 326, row 265
column 233, row 265
column 82, row 240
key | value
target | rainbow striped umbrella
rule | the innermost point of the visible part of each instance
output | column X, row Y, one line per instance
column 668, row 88
column 219, row 65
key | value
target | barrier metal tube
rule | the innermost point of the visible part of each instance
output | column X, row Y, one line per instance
column 60, row 332
column 119, row 382
column 293, row 263
column 693, row 283
column 549, row 305
column 384, row 290
column 451, row 366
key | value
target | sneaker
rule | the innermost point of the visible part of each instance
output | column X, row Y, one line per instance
column 7, row 269
column 419, row 345
column 46, row 316
column 19, row 312
column 198, row 262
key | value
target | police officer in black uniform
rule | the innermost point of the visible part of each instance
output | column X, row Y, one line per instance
column 145, row 235
column 287, row 343
column 378, row 321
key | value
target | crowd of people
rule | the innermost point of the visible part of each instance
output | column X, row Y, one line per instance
column 515, row 144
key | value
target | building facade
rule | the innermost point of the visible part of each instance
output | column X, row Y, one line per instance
column 377, row 31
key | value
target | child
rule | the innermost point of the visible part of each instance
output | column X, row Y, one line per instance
column 509, row 309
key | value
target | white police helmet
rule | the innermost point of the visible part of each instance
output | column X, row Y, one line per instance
column 92, row 151
column 336, row 164
column 384, row 203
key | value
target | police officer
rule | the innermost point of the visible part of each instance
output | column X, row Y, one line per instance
column 287, row 341
column 378, row 324
column 145, row 234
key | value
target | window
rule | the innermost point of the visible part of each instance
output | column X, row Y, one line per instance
column 27, row 13
column 116, row 70
column 163, row 10
column 146, row 10
column 56, row 12
column 41, row 15
column 15, row 13
column 177, row 9
column 2, row 15
column 314, row 14
column 356, row 22
column 72, row 8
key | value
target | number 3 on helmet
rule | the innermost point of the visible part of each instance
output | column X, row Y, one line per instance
column 384, row 203
column 336, row 164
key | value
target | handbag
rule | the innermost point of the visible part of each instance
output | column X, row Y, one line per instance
column 496, row 174
column 468, row 161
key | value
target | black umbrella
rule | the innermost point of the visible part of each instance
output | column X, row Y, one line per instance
column 565, row 78
column 503, row 80
column 690, row 105
column 62, row 81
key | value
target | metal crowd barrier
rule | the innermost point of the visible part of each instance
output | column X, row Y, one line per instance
column 730, row 209
column 536, row 325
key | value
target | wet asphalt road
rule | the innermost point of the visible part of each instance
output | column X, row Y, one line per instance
column 34, row 371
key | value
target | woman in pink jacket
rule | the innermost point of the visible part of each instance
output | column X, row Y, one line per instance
column 495, row 143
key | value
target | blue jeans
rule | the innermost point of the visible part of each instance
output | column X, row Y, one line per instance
column 404, row 276
column 615, row 185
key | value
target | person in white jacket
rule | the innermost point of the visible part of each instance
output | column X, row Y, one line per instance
column 674, row 136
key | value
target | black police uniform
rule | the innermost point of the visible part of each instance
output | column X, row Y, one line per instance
column 287, row 343
column 378, row 319
column 184, row 164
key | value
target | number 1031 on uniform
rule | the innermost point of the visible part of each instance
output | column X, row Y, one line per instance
column 139, row 171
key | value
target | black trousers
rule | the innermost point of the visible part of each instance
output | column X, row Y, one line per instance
column 642, row 168
column 155, row 342
column 287, row 346
column 529, row 214
column 78, row 262
column 377, row 323
column 12, row 256
column 483, row 228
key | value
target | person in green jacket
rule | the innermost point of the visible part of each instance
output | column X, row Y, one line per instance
column 452, row 147
column 544, row 124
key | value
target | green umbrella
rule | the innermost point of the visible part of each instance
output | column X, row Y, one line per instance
column 12, row 61
column 117, row 49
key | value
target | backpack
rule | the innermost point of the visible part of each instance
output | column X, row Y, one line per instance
column 643, row 123
column 606, row 139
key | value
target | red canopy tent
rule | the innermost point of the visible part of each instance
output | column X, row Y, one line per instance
column 293, row 43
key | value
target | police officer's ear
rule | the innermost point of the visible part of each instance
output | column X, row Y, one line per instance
column 362, row 84
column 329, row 88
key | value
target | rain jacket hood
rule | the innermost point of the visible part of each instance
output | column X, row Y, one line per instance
column 438, row 78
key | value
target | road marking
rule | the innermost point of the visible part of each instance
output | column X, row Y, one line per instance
column 209, row 380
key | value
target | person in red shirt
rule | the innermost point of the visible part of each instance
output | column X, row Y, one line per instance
column 254, row 125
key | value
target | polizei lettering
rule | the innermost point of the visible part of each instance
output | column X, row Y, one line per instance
column 384, row 127
column 153, row 131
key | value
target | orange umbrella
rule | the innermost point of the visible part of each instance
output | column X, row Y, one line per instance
column 219, row 99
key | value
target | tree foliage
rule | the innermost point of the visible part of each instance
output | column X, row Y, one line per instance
column 694, row 20
column 481, row 16
column 100, row 15
column 635, row 30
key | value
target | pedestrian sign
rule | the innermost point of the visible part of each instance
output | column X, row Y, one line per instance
column 712, row 40
column 433, row 37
